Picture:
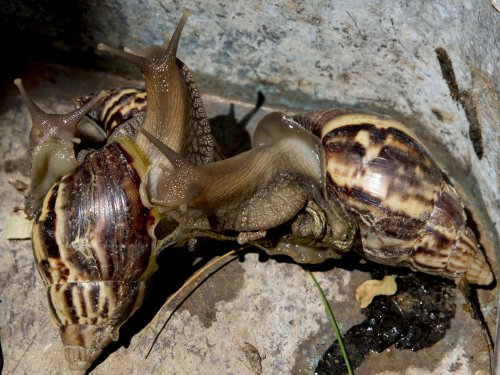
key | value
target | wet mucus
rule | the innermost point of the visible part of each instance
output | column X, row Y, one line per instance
column 416, row 317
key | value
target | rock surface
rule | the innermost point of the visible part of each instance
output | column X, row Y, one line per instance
column 432, row 64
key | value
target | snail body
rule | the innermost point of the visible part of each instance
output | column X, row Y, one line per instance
column 257, row 190
column 175, row 112
column 205, row 188
column 93, row 238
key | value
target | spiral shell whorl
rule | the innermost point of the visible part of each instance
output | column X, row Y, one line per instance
column 115, row 107
column 90, row 314
column 83, row 344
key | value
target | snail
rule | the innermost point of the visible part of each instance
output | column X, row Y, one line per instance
column 93, row 239
column 354, row 165
column 408, row 215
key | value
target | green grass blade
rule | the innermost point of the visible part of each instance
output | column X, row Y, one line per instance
column 335, row 327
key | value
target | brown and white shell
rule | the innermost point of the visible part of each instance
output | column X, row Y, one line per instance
column 408, row 215
column 94, row 249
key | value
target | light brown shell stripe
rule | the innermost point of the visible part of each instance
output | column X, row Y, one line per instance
column 126, row 104
column 322, row 122
column 387, row 172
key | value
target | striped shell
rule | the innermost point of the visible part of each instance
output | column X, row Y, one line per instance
column 116, row 107
column 408, row 215
column 93, row 249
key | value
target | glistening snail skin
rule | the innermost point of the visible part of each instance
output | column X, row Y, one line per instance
column 52, row 147
column 236, row 191
column 173, row 99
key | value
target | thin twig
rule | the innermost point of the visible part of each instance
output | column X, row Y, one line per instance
column 335, row 327
column 197, row 281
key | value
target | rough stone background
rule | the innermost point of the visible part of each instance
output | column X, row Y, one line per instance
column 384, row 56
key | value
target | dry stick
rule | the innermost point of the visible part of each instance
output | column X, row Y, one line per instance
column 192, row 280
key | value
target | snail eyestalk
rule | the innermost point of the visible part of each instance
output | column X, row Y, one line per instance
column 126, row 54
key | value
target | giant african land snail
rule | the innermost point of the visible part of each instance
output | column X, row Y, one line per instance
column 93, row 239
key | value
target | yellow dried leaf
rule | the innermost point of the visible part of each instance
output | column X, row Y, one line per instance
column 368, row 290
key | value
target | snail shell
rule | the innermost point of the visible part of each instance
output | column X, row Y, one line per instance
column 93, row 238
column 115, row 107
column 408, row 215
column 94, row 249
